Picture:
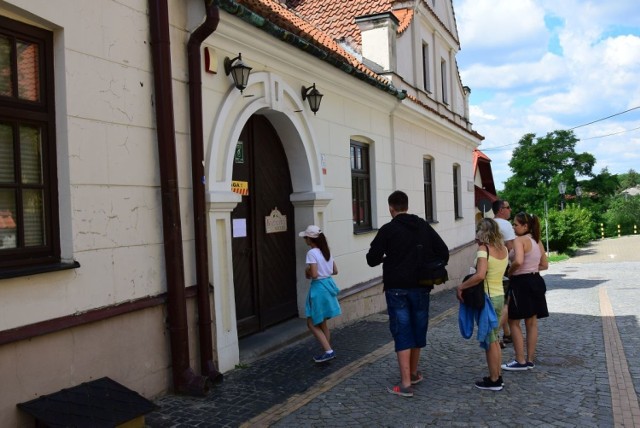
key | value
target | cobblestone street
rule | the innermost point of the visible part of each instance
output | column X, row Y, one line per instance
column 585, row 376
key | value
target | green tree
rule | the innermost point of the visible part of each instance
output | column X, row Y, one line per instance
column 624, row 210
column 539, row 164
column 596, row 195
column 629, row 179
column 570, row 227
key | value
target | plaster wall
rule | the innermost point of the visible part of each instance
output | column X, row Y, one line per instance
column 109, row 181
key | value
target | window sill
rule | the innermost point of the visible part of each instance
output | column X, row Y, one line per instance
column 364, row 231
column 34, row 270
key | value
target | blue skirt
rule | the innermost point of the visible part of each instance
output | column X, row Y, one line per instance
column 322, row 300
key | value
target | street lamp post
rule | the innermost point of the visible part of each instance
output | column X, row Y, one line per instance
column 562, row 187
column 579, row 193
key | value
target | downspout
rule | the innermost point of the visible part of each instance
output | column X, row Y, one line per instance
column 184, row 379
column 207, row 28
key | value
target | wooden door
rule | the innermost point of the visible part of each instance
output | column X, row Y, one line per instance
column 263, row 257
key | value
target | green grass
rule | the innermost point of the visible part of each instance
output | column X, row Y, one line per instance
column 554, row 257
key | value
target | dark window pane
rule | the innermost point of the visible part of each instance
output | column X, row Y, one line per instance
column 5, row 67
column 353, row 157
column 33, row 218
column 354, row 199
column 428, row 191
column 8, row 231
column 31, row 155
column 28, row 71
column 365, row 218
column 7, row 171
column 456, row 190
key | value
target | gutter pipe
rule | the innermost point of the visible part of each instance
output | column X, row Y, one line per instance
column 207, row 28
column 185, row 381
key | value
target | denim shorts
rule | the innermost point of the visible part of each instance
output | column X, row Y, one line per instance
column 408, row 317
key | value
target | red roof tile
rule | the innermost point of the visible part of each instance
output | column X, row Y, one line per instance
column 290, row 20
column 328, row 23
column 338, row 17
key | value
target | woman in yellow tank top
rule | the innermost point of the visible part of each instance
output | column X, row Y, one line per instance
column 490, row 269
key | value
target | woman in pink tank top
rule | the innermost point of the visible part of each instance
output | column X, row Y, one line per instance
column 527, row 289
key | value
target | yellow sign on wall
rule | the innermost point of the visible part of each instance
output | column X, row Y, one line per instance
column 241, row 187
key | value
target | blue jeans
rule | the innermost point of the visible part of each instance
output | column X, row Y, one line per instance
column 408, row 317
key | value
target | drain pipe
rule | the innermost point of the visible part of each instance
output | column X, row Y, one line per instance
column 185, row 381
column 197, row 177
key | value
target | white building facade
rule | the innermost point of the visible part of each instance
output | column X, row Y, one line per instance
column 154, row 236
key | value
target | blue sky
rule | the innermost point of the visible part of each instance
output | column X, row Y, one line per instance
column 538, row 66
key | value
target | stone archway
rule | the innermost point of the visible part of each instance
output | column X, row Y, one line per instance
column 275, row 100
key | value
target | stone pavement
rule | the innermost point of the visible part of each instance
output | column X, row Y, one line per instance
column 586, row 375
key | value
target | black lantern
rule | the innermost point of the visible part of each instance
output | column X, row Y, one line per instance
column 239, row 72
column 562, row 188
column 314, row 96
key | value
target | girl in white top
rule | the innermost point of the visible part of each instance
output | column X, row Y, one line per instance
column 322, row 300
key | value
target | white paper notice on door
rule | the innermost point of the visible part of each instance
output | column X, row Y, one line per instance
column 239, row 227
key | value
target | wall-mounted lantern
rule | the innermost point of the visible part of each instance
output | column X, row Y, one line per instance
column 238, row 70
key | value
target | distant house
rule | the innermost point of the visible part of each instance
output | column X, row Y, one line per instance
column 484, row 187
column 632, row 191
column 150, row 204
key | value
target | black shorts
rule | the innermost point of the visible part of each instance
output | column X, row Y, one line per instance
column 527, row 297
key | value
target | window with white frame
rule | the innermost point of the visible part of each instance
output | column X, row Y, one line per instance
column 360, row 186
column 427, row 173
column 29, row 228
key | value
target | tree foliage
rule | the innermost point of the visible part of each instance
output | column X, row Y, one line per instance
column 629, row 180
column 539, row 164
column 624, row 210
column 569, row 227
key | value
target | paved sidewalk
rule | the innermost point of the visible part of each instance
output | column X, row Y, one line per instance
column 586, row 372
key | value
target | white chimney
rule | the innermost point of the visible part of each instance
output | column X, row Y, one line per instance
column 379, row 39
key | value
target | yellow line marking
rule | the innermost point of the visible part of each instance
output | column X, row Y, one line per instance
column 624, row 401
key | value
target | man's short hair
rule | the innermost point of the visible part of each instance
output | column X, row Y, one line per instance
column 399, row 201
column 495, row 207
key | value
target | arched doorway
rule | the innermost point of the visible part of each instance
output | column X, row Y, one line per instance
column 263, row 232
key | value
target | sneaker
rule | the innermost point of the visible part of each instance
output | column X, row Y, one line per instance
column 530, row 365
column 488, row 379
column 515, row 366
column 507, row 339
column 325, row 357
column 487, row 383
column 401, row 391
column 416, row 378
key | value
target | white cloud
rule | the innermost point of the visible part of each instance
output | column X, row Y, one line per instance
column 548, row 68
column 526, row 78
column 499, row 26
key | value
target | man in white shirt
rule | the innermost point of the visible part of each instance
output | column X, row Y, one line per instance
column 501, row 214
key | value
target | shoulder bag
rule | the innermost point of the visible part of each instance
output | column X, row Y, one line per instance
column 474, row 296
